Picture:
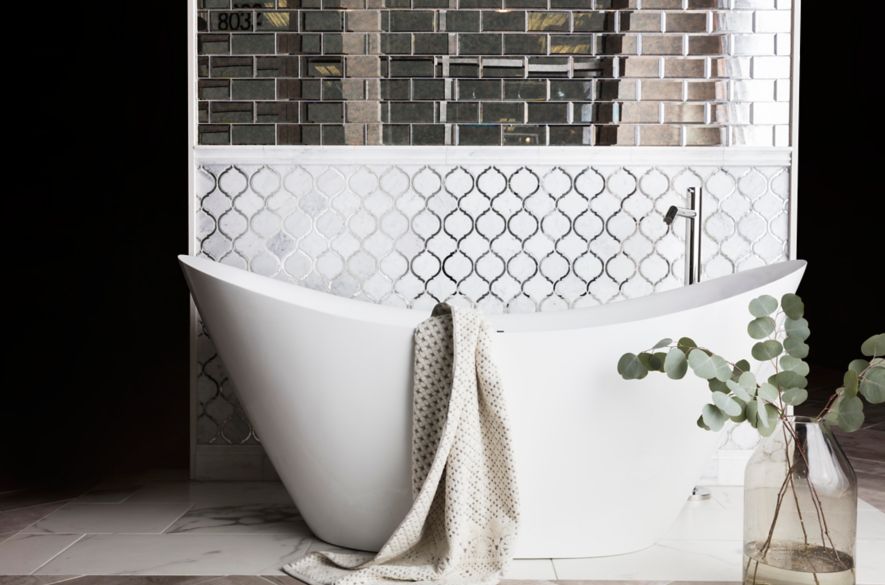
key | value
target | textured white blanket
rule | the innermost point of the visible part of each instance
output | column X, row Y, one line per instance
column 464, row 517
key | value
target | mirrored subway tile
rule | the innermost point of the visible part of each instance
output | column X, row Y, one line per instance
column 641, row 21
column 690, row 22
column 291, row 89
column 549, row 21
column 548, row 113
column 363, row 111
column 412, row 20
column 571, row 89
column 363, row 66
column 395, row 89
column 276, row 112
column 747, row 45
column 479, row 135
column 275, row 67
column 431, row 3
column 771, row 113
column 625, row 89
column 373, row 134
column 707, row 44
column 431, row 44
column 347, row 4
column 276, row 21
column 643, row 66
column 704, row 136
column 311, row 134
column 480, row 44
column 414, row 67
column 706, row 90
column 642, row 112
column 323, row 67
column 253, row 89
column 353, row 89
column 429, row 89
column 549, row 67
column 620, row 135
column 214, row 4
column 230, row 21
column 783, row 44
column 483, row 89
column 480, row 4
column 503, row 112
column 691, row 67
column 462, row 21
column 565, row 4
column 525, row 44
column 752, row 135
column 323, row 112
column 525, row 3
column 587, row 112
column 664, row 90
column 355, row 134
column 592, row 67
column 332, row 89
column 253, row 134
column 323, row 21
column 523, row 135
column 527, row 90
column 396, row 43
column 333, row 135
column 660, row 135
column 231, row 112
column 395, row 134
column 773, row 21
column 403, row 112
column 364, row 21
column 503, row 67
column 298, row 44
column 429, row 134
column 288, row 134
column 662, row 44
column 203, row 112
column 783, row 90
column 753, row 90
column 210, row 134
column 503, row 20
column 574, row 44
column 571, row 135
column 708, row 4
column 213, row 89
column 617, row 44
column 230, row 66
column 213, row 44
column 662, row 4
column 461, row 112
column 253, row 44
column 684, row 113
column 733, row 21
column 594, row 22
column 203, row 66
column 771, row 67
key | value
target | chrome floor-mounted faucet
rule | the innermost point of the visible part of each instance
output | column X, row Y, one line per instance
column 693, row 217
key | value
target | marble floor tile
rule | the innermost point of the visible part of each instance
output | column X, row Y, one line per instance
column 712, row 519
column 25, row 553
column 137, row 517
column 530, row 569
column 20, row 518
column 178, row 554
column 243, row 519
column 108, row 493
column 34, row 579
column 713, row 560
column 27, row 498
column 213, row 493
column 283, row 580
column 866, row 443
column 141, row 580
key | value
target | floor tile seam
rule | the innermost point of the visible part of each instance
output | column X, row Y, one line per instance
column 53, row 557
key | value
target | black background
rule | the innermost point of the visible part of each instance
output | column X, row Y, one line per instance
column 97, row 378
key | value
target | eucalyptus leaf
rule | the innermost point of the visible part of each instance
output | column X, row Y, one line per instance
column 702, row 424
column 796, row 347
column 717, row 385
column 793, row 306
column 662, row 343
column 788, row 379
column 850, row 383
column 701, row 364
column 771, row 415
column 797, row 328
column 858, row 366
column 763, row 306
column 795, row 396
column 794, row 364
column 872, row 385
column 630, row 367
column 761, row 327
column 739, row 390
column 768, row 392
column 874, row 346
column 713, row 417
column 740, row 367
column 675, row 364
column 766, row 350
column 742, row 416
column 686, row 344
column 846, row 413
column 727, row 404
column 652, row 361
column 723, row 370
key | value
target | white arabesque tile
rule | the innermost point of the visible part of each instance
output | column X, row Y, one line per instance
column 24, row 553
column 177, row 554
column 133, row 517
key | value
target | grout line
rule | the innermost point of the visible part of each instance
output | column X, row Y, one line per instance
column 179, row 517
column 53, row 557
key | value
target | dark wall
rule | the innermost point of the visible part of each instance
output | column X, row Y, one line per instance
column 841, row 199
column 97, row 376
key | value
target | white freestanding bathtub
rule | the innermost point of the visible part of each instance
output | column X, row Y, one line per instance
column 605, row 465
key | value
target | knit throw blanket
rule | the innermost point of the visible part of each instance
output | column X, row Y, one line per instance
column 464, row 517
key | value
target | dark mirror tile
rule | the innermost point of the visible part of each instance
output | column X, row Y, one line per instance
column 585, row 4
column 525, row 44
column 333, row 135
column 214, row 4
column 276, row 66
column 503, row 112
column 213, row 89
column 231, row 66
column 395, row 89
column 479, row 135
column 430, row 3
column 395, row 134
column 325, row 20
column 428, row 89
column 571, row 89
column 431, row 44
column 203, row 112
column 528, row 90
column 276, row 21
column 213, row 134
column 230, row 112
column 402, row 67
column 290, row 89
column 428, row 134
column 288, row 134
column 253, row 44
column 571, row 135
column 324, row 67
column 213, row 44
column 479, row 89
column 480, row 4
column 525, row 3
column 576, row 44
column 323, row 112
column 480, row 44
column 521, row 135
column 276, row 112
column 549, row 21
column 412, row 112
column 411, row 20
column 253, row 89
column 594, row 22
column 253, row 134
column 396, row 44
column 311, row 134
column 462, row 112
column 235, row 21
column 462, row 20
column 333, row 89
column 548, row 113
column 503, row 20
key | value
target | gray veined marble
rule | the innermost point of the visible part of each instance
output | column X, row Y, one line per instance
column 251, row 518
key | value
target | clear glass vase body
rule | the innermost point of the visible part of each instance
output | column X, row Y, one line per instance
column 800, row 508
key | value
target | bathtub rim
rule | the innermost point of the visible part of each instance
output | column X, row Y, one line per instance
column 648, row 307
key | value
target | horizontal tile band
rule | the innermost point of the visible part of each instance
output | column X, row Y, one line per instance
column 550, row 155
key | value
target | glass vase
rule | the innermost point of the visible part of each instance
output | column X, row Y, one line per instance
column 800, row 508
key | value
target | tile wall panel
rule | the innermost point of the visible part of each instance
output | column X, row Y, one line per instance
column 494, row 72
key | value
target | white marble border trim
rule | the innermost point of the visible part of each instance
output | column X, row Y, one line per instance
column 512, row 155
